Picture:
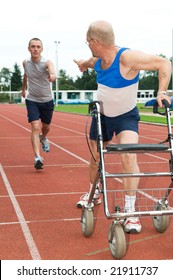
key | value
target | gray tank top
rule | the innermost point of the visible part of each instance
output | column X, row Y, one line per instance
column 38, row 87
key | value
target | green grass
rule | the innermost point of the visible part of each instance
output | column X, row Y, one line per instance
column 77, row 109
column 83, row 109
column 153, row 119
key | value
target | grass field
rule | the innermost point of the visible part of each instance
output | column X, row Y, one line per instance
column 83, row 109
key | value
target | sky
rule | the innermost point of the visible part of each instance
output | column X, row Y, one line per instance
column 145, row 25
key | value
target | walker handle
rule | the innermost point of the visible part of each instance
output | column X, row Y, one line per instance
column 155, row 106
column 92, row 106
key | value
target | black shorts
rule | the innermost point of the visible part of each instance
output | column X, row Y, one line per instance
column 111, row 125
column 37, row 110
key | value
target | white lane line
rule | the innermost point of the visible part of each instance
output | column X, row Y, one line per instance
column 16, row 123
column 152, row 155
column 80, row 165
column 70, row 153
column 43, row 221
column 43, row 194
column 67, row 129
column 27, row 234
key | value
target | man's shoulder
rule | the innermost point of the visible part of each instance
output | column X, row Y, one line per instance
column 44, row 60
column 26, row 60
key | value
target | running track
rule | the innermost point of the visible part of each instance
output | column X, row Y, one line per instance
column 38, row 215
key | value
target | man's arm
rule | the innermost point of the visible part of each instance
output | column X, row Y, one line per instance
column 85, row 64
column 136, row 60
column 24, row 84
column 51, row 71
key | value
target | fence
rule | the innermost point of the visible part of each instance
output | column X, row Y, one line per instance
column 68, row 95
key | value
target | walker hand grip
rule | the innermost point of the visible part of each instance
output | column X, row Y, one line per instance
column 92, row 106
column 155, row 107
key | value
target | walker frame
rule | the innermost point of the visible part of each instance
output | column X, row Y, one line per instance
column 161, row 209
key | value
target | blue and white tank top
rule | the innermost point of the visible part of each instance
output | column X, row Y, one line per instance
column 116, row 94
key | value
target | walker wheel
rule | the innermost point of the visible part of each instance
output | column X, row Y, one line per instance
column 160, row 223
column 87, row 221
column 117, row 241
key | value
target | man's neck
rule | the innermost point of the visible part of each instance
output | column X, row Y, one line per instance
column 36, row 59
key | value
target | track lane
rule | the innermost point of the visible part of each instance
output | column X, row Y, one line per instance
column 48, row 199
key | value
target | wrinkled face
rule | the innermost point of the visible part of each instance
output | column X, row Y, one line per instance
column 35, row 48
column 94, row 45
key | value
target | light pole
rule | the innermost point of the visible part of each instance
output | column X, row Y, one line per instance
column 57, row 76
column 10, row 90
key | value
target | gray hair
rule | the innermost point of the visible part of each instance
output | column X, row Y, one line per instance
column 101, row 31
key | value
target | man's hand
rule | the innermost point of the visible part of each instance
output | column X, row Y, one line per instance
column 81, row 65
column 52, row 77
column 23, row 93
column 161, row 96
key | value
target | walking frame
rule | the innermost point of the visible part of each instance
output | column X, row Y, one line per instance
column 160, row 211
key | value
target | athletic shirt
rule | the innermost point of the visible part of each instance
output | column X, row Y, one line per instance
column 116, row 94
column 39, row 87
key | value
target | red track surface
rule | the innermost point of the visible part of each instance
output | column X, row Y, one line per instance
column 38, row 216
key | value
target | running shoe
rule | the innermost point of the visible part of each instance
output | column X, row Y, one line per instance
column 84, row 199
column 38, row 164
column 132, row 225
column 45, row 144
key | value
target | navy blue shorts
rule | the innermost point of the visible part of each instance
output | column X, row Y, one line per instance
column 37, row 110
column 111, row 125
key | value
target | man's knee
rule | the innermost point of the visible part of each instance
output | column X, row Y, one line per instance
column 35, row 126
column 129, row 161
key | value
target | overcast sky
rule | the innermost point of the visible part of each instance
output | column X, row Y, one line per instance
column 139, row 24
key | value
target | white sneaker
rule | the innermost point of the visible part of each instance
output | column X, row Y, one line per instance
column 38, row 163
column 84, row 198
column 132, row 225
column 45, row 144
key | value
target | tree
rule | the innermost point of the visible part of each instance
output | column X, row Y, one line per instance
column 87, row 81
column 16, row 79
column 5, row 77
column 65, row 82
column 149, row 80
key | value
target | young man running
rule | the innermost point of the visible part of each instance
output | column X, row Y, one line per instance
column 39, row 73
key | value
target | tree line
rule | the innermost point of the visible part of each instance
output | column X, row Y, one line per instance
column 12, row 80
